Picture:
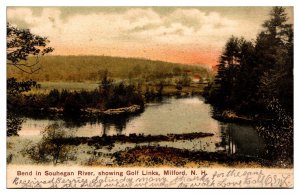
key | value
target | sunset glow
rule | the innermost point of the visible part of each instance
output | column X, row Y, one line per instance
column 191, row 35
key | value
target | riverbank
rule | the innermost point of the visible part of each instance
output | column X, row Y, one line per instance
column 105, row 140
column 132, row 151
column 277, row 133
column 37, row 105
column 142, row 156
column 172, row 123
column 94, row 112
column 231, row 116
column 151, row 156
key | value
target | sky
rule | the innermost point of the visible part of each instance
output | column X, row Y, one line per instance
column 189, row 35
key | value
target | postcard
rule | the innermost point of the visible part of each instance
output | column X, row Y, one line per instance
column 150, row 97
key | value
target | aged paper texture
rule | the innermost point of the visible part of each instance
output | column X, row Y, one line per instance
column 150, row 97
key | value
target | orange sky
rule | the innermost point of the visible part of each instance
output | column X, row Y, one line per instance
column 172, row 54
column 190, row 35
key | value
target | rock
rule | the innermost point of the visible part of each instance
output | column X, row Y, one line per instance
column 116, row 111
column 229, row 114
column 125, row 110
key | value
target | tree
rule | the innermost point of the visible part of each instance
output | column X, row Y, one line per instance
column 21, row 44
column 14, row 90
column 274, row 51
column 257, row 79
column 229, row 62
column 51, row 146
column 250, row 75
column 105, row 82
column 13, row 124
column 233, row 79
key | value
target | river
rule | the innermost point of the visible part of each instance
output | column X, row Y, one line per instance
column 171, row 115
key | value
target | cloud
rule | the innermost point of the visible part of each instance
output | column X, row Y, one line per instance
column 135, row 23
column 188, row 26
column 24, row 14
column 136, row 28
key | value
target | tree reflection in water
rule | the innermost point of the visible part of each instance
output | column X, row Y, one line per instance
column 241, row 140
column 110, row 123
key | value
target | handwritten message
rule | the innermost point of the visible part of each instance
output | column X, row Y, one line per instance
column 84, row 177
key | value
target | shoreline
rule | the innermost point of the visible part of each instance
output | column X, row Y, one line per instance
column 105, row 140
column 230, row 116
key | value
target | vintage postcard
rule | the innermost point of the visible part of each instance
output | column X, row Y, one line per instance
column 150, row 97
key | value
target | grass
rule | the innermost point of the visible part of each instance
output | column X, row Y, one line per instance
column 155, row 156
column 87, row 68
column 46, row 87
column 77, row 73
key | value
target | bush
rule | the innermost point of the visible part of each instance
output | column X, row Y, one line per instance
column 51, row 147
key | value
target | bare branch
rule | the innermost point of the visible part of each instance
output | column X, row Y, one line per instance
column 28, row 72
column 37, row 61
column 21, row 44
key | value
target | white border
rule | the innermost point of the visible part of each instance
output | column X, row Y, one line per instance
column 5, row 3
column 150, row 3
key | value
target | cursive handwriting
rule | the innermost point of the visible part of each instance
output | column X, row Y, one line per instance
column 230, row 178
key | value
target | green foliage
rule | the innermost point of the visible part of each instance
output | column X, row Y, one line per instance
column 184, row 80
column 14, row 94
column 279, row 132
column 236, row 78
column 15, row 88
column 13, row 124
column 21, row 43
column 87, row 68
column 51, row 148
column 108, row 95
column 249, row 75
column 275, row 50
column 257, row 79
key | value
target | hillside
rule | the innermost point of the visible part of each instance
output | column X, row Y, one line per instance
column 87, row 68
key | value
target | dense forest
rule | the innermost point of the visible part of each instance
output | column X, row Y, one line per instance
column 255, row 79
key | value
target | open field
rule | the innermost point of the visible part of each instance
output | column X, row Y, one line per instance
column 46, row 87
column 76, row 73
column 88, row 68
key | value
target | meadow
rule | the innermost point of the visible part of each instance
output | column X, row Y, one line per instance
column 76, row 73
column 87, row 68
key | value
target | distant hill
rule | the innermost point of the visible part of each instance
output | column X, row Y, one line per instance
column 87, row 68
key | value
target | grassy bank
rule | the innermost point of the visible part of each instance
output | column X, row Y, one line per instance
column 152, row 156
column 168, row 90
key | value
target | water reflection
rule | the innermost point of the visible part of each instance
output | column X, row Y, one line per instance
column 114, row 125
column 241, row 139
column 172, row 115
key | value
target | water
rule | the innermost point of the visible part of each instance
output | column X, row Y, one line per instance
column 172, row 115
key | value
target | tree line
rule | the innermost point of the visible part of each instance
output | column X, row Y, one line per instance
column 255, row 78
column 253, row 73
column 108, row 95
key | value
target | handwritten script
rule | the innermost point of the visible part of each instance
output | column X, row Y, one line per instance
column 149, row 178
